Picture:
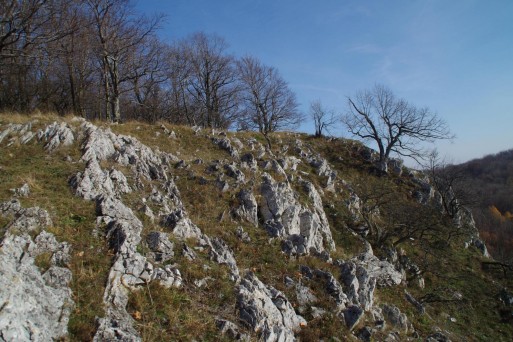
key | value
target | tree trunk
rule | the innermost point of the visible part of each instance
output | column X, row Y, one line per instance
column 382, row 165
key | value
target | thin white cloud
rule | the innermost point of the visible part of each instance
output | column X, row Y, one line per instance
column 365, row 49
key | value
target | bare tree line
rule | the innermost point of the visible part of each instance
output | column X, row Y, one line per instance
column 99, row 59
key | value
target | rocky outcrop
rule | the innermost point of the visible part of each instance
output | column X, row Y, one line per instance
column 395, row 318
column 36, row 304
column 384, row 272
column 305, row 229
column 160, row 246
column 225, row 144
column 129, row 269
column 222, row 254
column 361, row 274
column 231, row 330
column 267, row 311
column 95, row 181
column 24, row 220
column 324, row 170
column 55, row 135
column 359, row 286
column 18, row 132
column 23, row 191
column 248, row 207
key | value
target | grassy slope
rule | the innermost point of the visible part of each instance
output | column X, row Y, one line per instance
column 190, row 312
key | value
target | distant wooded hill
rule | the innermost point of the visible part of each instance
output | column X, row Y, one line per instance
column 490, row 180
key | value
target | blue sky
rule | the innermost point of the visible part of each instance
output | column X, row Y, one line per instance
column 455, row 57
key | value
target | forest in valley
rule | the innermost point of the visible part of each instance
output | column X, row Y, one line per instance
column 489, row 180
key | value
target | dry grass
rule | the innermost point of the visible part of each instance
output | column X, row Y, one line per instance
column 73, row 221
column 188, row 313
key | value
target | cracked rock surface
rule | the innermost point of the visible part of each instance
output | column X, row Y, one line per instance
column 35, row 304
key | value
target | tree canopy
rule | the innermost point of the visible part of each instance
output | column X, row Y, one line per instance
column 394, row 124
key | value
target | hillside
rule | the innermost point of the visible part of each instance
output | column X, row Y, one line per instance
column 160, row 233
column 490, row 180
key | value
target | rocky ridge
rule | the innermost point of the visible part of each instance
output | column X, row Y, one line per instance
column 271, row 193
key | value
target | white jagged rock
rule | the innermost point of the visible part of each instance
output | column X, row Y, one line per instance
column 383, row 271
column 305, row 229
column 23, row 131
column 248, row 208
column 267, row 311
column 23, row 191
column 160, row 246
column 35, row 306
column 95, row 181
column 129, row 270
column 56, row 135
column 222, row 254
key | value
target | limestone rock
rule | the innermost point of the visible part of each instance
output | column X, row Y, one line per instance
column 35, row 306
column 306, row 229
column 225, row 144
column 181, row 226
column 169, row 276
column 98, row 143
column 230, row 330
column 481, row 246
column 242, row 235
column 364, row 334
column 57, row 134
column 27, row 219
column 222, row 254
column 232, row 171
column 267, row 311
column 46, row 242
column 304, row 296
column 289, row 163
column 10, row 208
column 94, row 182
column 333, row 288
column 129, row 270
column 323, row 169
column 352, row 315
column 160, row 246
column 359, row 285
column 381, row 270
column 23, row 191
column 248, row 208
column 188, row 252
column 395, row 318
column 12, row 128
column 248, row 161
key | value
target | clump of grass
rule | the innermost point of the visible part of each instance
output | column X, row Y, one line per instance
column 43, row 261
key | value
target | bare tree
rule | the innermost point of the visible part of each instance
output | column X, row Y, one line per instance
column 180, row 101
column 323, row 118
column 148, row 75
column 393, row 124
column 212, row 82
column 269, row 103
column 119, row 34
column 451, row 183
column 24, row 23
column 26, row 29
